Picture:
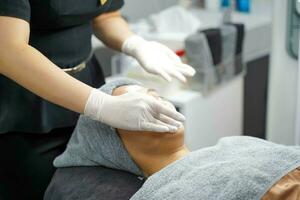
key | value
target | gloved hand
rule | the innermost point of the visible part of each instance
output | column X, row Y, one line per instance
column 156, row 58
column 132, row 111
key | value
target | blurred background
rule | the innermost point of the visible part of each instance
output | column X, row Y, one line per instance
column 251, row 90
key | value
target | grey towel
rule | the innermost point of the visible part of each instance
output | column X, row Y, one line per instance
column 237, row 168
column 229, row 40
column 214, row 39
column 239, row 47
column 199, row 56
column 96, row 144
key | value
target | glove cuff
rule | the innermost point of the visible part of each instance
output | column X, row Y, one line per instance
column 94, row 104
column 131, row 44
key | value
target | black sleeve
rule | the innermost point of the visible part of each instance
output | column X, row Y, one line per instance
column 15, row 8
column 114, row 5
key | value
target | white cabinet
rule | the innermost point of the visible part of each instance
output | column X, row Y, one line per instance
column 212, row 117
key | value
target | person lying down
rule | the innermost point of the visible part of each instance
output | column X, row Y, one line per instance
column 237, row 167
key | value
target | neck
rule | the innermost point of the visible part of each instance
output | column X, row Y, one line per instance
column 152, row 163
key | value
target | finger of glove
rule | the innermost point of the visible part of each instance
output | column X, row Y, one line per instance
column 163, row 109
column 164, row 74
column 169, row 120
column 175, row 73
column 169, row 53
column 185, row 69
column 171, row 127
column 165, row 121
column 149, row 126
column 153, row 117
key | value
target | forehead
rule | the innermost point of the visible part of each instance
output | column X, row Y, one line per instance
column 137, row 88
column 131, row 88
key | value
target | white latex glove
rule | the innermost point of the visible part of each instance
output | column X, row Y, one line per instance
column 132, row 111
column 156, row 58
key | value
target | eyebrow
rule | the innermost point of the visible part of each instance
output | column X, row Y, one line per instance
column 151, row 90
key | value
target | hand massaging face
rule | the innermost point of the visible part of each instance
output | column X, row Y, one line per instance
column 152, row 151
column 141, row 153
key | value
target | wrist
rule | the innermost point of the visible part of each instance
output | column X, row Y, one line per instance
column 131, row 45
column 94, row 105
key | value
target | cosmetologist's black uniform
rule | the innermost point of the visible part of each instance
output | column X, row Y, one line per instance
column 33, row 131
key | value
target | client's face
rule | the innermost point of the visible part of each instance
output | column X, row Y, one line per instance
column 151, row 92
column 146, row 146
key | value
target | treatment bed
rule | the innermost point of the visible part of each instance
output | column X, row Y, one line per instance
column 91, row 183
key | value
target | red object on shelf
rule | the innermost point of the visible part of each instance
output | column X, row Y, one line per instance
column 180, row 53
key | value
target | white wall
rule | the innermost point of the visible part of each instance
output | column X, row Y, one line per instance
column 282, row 82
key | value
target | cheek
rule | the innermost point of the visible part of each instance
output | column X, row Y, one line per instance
column 181, row 130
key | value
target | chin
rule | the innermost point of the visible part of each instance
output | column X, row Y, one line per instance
column 179, row 131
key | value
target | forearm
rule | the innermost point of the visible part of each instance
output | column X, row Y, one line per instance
column 29, row 68
column 111, row 29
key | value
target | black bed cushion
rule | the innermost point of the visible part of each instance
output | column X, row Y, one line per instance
column 89, row 183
